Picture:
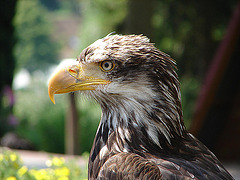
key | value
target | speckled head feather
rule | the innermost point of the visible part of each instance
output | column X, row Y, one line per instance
column 141, row 134
column 144, row 84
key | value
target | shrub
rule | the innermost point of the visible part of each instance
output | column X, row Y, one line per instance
column 12, row 168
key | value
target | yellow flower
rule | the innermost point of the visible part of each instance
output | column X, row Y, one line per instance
column 13, row 157
column 1, row 157
column 39, row 174
column 57, row 161
column 63, row 178
column 11, row 178
column 22, row 171
column 64, row 171
column 48, row 163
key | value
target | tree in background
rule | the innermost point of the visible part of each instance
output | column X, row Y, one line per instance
column 99, row 18
column 139, row 18
column 7, row 63
column 190, row 31
column 35, row 49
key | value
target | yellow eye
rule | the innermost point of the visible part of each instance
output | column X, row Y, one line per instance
column 107, row 66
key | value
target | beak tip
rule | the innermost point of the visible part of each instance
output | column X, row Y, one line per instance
column 53, row 101
column 51, row 94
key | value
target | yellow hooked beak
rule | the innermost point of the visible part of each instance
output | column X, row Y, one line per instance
column 74, row 78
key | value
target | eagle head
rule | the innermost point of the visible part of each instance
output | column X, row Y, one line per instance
column 129, row 77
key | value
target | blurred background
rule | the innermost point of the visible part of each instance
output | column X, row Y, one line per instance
column 36, row 35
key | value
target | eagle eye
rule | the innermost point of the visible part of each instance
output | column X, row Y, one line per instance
column 107, row 65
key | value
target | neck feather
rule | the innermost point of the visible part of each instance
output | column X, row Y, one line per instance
column 140, row 114
column 141, row 119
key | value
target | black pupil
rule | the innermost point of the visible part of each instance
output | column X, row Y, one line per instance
column 106, row 64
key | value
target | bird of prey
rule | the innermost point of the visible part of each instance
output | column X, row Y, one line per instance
column 141, row 134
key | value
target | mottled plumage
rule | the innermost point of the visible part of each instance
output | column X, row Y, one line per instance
column 141, row 134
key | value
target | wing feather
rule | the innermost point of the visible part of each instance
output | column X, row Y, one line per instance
column 133, row 166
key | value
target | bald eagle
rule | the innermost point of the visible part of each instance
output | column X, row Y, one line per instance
column 141, row 134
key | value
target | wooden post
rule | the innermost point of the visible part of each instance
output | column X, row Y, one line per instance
column 71, row 128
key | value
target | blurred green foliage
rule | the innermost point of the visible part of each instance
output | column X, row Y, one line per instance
column 99, row 18
column 90, row 114
column 189, row 90
column 40, row 121
column 190, row 31
column 35, row 49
